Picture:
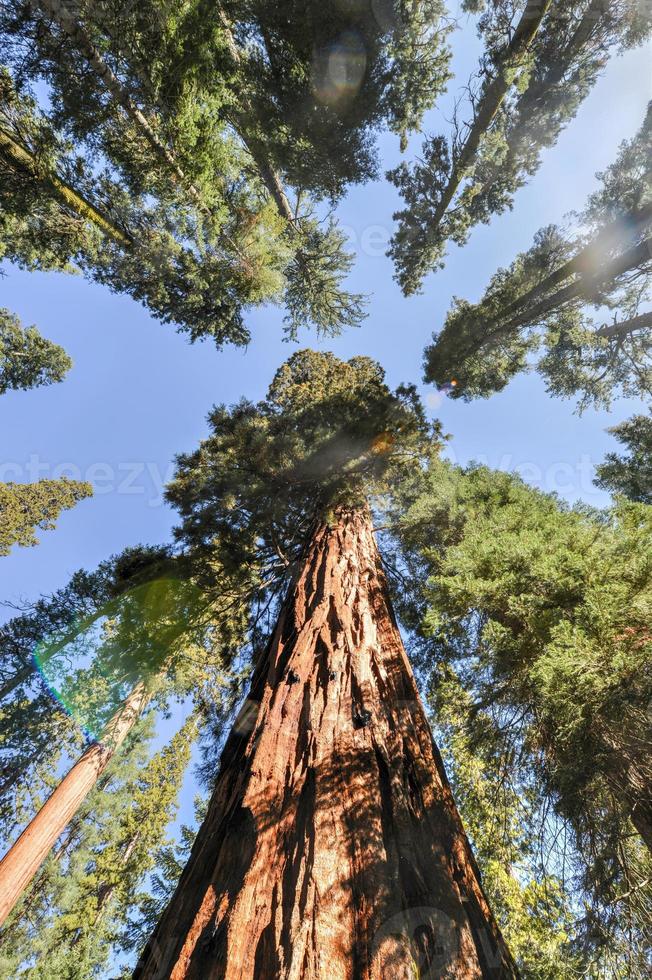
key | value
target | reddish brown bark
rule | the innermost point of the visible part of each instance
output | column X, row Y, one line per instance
column 22, row 861
column 332, row 847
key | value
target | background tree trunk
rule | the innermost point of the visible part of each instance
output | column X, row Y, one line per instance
column 332, row 847
column 24, row 858
column 508, row 63
column 21, row 158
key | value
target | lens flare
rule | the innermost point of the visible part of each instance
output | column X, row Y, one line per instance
column 90, row 666
column 449, row 387
column 338, row 70
column 382, row 443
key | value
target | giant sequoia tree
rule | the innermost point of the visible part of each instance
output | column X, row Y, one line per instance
column 541, row 59
column 332, row 843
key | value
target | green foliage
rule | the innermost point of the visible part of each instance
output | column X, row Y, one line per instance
column 322, row 77
column 329, row 432
column 26, row 508
column 28, row 360
column 313, row 276
column 69, row 662
column 72, row 917
column 539, row 304
column 41, row 649
column 544, row 614
column 190, row 272
column 502, row 819
column 630, row 475
column 170, row 861
column 186, row 121
column 520, row 105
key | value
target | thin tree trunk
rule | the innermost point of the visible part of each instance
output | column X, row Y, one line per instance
column 625, row 327
column 332, row 847
column 633, row 782
column 19, row 678
column 269, row 176
column 105, row 892
column 23, row 860
column 492, row 99
column 585, row 287
column 534, row 96
column 22, row 158
column 587, row 257
column 641, row 817
column 70, row 26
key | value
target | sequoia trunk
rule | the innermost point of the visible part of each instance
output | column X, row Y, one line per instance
column 332, row 847
column 22, row 861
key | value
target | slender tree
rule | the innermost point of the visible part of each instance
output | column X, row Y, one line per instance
column 82, row 898
column 33, row 937
column 28, row 360
column 331, row 802
column 533, row 77
column 26, row 508
column 24, row 858
column 540, row 301
column 145, row 650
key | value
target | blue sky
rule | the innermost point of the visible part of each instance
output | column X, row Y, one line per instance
column 139, row 393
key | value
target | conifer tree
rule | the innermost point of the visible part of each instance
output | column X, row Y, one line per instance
column 541, row 61
column 207, row 110
column 540, row 302
column 543, row 613
column 118, row 836
column 26, row 508
column 331, row 800
column 630, row 475
column 505, row 821
column 28, row 360
column 58, row 212
column 157, row 637
column 32, row 938
column 34, row 733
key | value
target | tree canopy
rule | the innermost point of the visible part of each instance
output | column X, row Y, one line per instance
column 543, row 613
column 26, row 508
column 631, row 474
column 329, row 431
column 539, row 63
column 186, row 125
column 540, row 302
column 28, row 360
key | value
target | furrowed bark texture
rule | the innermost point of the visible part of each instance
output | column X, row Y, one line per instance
column 24, row 858
column 332, row 847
